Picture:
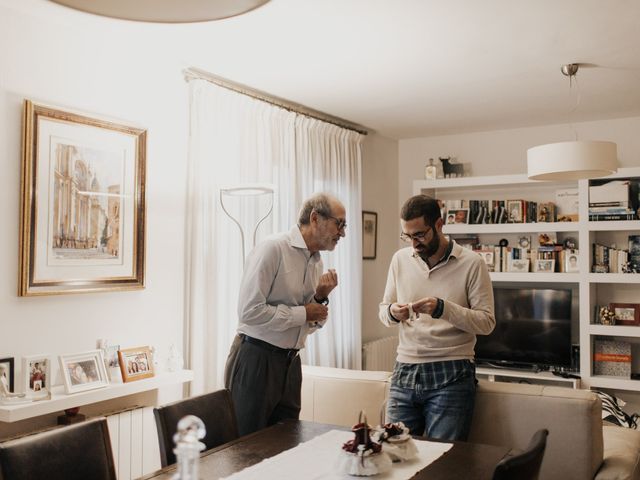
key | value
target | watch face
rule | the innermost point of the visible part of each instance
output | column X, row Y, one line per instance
column 524, row 242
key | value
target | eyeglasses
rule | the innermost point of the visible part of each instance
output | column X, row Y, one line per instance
column 407, row 237
column 341, row 224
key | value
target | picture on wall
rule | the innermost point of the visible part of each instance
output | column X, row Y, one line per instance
column 369, row 235
column 83, row 203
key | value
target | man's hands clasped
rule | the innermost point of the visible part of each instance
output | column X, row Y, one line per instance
column 403, row 311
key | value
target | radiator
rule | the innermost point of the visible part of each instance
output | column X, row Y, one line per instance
column 380, row 354
column 134, row 441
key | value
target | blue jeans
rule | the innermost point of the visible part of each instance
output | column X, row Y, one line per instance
column 444, row 413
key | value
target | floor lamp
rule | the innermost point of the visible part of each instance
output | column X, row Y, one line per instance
column 247, row 191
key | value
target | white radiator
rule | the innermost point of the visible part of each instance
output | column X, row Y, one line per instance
column 380, row 354
column 134, row 441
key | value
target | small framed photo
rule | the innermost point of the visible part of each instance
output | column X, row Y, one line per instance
column 514, row 211
column 112, row 362
column 83, row 371
column 457, row 215
column 545, row 265
column 36, row 374
column 8, row 372
column 135, row 363
column 520, row 265
column 626, row 313
column 571, row 261
column 369, row 235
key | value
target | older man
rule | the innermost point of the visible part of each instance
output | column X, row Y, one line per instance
column 283, row 298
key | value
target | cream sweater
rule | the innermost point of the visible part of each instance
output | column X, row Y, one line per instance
column 463, row 282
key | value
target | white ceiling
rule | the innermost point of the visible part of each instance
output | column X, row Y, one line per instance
column 413, row 68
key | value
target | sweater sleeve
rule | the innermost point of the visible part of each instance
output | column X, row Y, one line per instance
column 390, row 296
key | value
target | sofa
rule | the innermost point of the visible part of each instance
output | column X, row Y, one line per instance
column 578, row 447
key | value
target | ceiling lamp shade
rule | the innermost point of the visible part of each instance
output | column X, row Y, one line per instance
column 164, row 11
column 572, row 160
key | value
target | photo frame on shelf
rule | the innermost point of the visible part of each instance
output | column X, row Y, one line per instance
column 136, row 363
column 112, row 363
column 8, row 372
column 83, row 371
column 514, row 211
column 369, row 235
column 520, row 265
column 457, row 215
column 626, row 313
column 572, row 260
column 36, row 375
column 544, row 265
column 94, row 240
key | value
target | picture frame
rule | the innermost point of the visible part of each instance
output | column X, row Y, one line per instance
column 8, row 371
column 626, row 313
column 520, row 265
column 544, row 265
column 572, row 261
column 83, row 371
column 369, row 235
column 136, row 363
column 514, row 211
column 488, row 257
column 457, row 215
column 83, row 203
column 36, row 375
column 112, row 362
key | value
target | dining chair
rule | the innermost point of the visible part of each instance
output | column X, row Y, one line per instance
column 525, row 465
column 75, row 452
column 215, row 409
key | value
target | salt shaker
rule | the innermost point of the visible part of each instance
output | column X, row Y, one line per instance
column 188, row 447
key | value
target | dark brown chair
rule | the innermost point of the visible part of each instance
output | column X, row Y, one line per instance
column 215, row 409
column 75, row 452
column 525, row 465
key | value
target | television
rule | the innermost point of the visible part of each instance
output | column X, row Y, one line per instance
column 533, row 329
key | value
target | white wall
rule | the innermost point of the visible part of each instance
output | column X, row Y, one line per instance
column 111, row 69
column 379, row 194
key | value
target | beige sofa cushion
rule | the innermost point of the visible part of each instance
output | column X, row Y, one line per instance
column 509, row 413
column 336, row 395
column 621, row 454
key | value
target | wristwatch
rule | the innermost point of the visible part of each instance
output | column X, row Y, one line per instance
column 324, row 301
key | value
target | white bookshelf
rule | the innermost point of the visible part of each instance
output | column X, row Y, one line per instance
column 61, row 401
column 593, row 288
column 497, row 374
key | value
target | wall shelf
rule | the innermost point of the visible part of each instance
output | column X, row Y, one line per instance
column 61, row 401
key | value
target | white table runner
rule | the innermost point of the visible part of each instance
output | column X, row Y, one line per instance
column 317, row 458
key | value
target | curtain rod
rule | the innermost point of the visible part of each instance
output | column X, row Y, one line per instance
column 195, row 73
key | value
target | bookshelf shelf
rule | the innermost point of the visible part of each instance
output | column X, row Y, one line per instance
column 591, row 288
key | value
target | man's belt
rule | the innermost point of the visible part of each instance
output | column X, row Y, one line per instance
column 288, row 352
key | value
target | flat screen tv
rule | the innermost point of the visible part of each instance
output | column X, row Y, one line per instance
column 533, row 329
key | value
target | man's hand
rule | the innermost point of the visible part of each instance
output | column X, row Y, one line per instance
column 425, row 305
column 400, row 311
column 328, row 281
column 316, row 312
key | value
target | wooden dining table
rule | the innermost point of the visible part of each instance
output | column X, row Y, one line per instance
column 465, row 460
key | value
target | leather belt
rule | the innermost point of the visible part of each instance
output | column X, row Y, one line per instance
column 288, row 352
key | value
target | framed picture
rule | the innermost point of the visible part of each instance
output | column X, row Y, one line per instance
column 112, row 362
column 369, row 235
column 83, row 204
column 514, row 211
column 135, row 363
column 83, row 371
column 457, row 215
column 571, row 261
column 8, row 372
column 36, row 374
column 626, row 313
column 520, row 265
column 546, row 265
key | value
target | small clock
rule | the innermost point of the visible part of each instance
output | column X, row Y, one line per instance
column 524, row 242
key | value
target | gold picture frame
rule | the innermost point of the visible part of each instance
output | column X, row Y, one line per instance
column 136, row 363
column 83, row 204
column 369, row 235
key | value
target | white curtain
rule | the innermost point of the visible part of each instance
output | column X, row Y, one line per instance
column 237, row 140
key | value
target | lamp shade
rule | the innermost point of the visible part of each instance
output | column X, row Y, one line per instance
column 572, row 160
column 164, row 11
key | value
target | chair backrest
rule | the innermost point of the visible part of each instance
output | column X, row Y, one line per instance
column 215, row 409
column 75, row 452
column 526, row 465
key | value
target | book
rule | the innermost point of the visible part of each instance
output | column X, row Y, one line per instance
column 600, row 217
column 612, row 357
column 634, row 251
column 611, row 191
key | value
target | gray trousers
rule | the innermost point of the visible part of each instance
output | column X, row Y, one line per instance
column 265, row 385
